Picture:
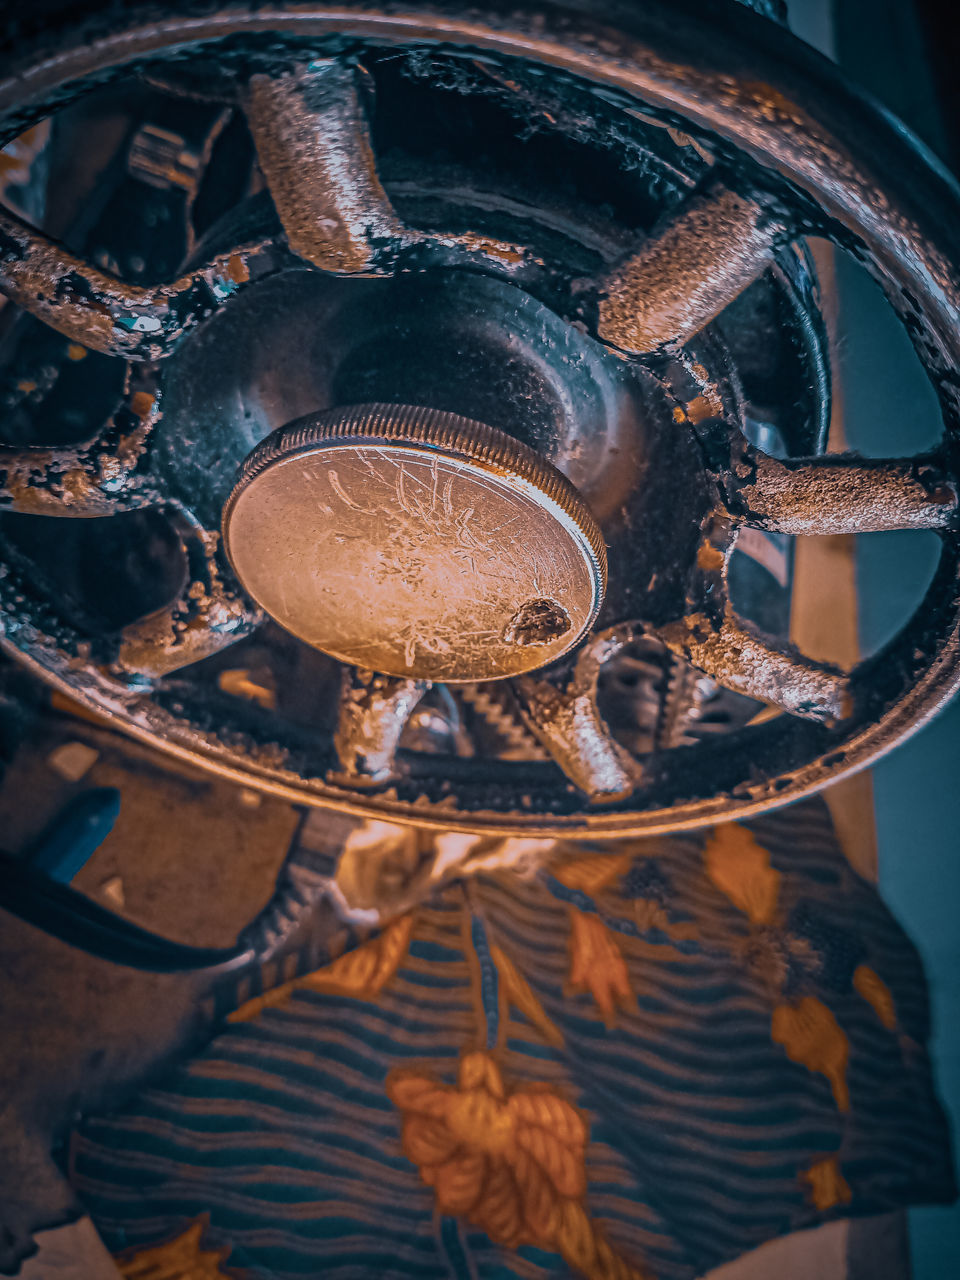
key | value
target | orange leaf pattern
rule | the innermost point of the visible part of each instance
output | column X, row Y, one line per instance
column 597, row 965
column 178, row 1259
column 592, row 872
column 826, row 1185
column 362, row 973
column 812, row 1036
column 740, row 868
column 696, row 950
column 875, row 991
column 509, row 1162
column 517, row 991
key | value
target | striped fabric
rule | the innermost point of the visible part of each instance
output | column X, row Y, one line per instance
column 634, row 1062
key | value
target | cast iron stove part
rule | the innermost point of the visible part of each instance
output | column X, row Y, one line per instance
column 653, row 701
column 416, row 543
column 772, row 170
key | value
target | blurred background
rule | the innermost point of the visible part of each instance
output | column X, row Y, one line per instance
column 905, row 53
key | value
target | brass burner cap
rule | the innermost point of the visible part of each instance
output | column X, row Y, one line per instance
column 416, row 543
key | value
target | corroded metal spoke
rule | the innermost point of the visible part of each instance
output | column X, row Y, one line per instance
column 692, row 267
column 314, row 148
column 101, row 477
column 374, row 710
column 569, row 726
column 209, row 614
column 103, row 313
column 739, row 657
column 844, row 493
column 567, row 723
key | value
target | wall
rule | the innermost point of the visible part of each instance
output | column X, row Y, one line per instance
column 888, row 408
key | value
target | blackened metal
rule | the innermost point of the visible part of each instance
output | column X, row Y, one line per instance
column 313, row 144
column 209, row 614
column 741, row 89
column 495, row 724
column 456, row 342
column 97, row 478
column 103, row 313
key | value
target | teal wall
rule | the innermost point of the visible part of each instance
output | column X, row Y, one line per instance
column 889, row 409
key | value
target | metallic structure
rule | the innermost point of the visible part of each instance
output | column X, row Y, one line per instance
column 416, row 543
column 501, row 356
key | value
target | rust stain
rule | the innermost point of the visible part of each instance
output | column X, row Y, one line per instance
column 704, row 406
column 773, row 104
column 142, row 403
column 237, row 268
column 512, row 254
column 709, row 559
column 313, row 120
column 78, row 487
column 687, row 273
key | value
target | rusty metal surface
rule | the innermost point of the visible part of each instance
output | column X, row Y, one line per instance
column 416, row 543
column 736, row 655
column 109, row 315
column 689, row 271
column 106, row 314
column 373, row 712
column 100, row 477
column 314, row 149
column 842, row 164
column 567, row 721
column 845, row 493
column 208, row 615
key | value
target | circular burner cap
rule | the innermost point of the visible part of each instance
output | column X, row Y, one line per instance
column 416, row 543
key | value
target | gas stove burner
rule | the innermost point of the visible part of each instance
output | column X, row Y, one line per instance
column 440, row 392
column 416, row 543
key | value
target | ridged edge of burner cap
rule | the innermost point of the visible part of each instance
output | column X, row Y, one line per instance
column 448, row 433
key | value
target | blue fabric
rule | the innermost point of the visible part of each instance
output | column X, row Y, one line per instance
column 662, row 994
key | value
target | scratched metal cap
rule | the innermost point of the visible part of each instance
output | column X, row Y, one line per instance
column 416, row 543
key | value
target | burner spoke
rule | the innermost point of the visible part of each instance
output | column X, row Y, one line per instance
column 567, row 723
column 374, row 710
column 101, row 477
column 844, row 493
column 690, row 269
column 314, row 147
column 740, row 657
column 209, row 614
column 103, row 313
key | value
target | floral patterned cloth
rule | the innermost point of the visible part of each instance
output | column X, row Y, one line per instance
column 631, row 1061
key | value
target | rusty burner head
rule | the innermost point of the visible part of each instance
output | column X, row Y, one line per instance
column 416, row 542
column 482, row 214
